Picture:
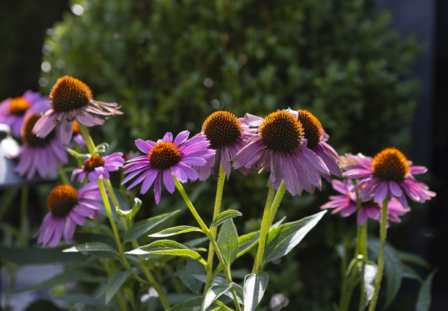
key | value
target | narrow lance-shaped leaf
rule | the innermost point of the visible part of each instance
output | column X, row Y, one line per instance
column 224, row 216
column 90, row 247
column 213, row 294
column 186, row 274
column 168, row 247
column 283, row 239
column 424, row 294
column 254, row 288
column 115, row 281
column 370, row 271
column 130, row 214
column 228, row 241
column 174, row 231
column 392, row 268
column 194, row 304
column 141, row 227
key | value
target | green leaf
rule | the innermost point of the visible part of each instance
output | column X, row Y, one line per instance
column 370, row 271
column 410, row 273
column 283, row 239
column 82, row 298
column 63, row 278
column 224, row 216
column 228, row 241
column 246, row 242
column 167, row 247
column 216, row 281
column 90, row 247
column 128, row 214
column 37, row 256
column 196, row 242
column 141, row 227
column 115, row 281
column 83, row 238
column 412, row 258
column 213, row 294
column 174, row 231
column 424, row 294
column 195, row 304
column 392, row 267
column 254, row 288
column 186, row 274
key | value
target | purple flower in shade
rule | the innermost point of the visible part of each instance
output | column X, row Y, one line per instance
column 388, row 174
column 77, row 137
column 279, row 147
column 345, row 204
column 317, row 141
column 39, row 154
column 13, row 110
column 98, row 167
column 68, row 208
column 72, row 99
column 226, row 133
column 166, row 157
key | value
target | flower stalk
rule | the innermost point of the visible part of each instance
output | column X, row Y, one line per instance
column 210, row 237
column 383, row 234
column 213, row 231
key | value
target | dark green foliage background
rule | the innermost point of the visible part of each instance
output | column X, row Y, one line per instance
column 337, row 59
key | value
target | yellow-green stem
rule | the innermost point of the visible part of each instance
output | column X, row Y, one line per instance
column 62, row 175
column 78, row 150
column 218, row 199
column 89, row 142
column 151, row 280
column 362, row 250
column 383, row 234
column 23, row 234
column 268, row 218
column 210, row 237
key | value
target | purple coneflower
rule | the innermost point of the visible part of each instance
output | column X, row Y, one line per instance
column 68, row 208
column 388, row 174
column 13, row 110
column 98, row 167
column 72, row 99
column 279, row 147
column 39, row 154
column 226, row 134
column 166, row 157
column 316, row 141
column 345, row 204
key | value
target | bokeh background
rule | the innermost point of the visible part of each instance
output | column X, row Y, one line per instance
column 374, row 73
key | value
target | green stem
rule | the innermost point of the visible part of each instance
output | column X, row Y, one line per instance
column 23, row 221
column 78, row 150
column 268, row 218
column 276, row 203
column 383, row 234
column 152, row 281
column 218, row 199
column 112, row 223
column 210, row 237
column 344, row 281
column 63, row 176
column 362, row 250
column 89, row 142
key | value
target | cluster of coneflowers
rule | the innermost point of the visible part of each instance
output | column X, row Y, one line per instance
column 290, row 145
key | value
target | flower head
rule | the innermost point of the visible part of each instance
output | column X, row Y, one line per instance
column 346, row 205
column 167, row 158
column 72, row 99
column 13, row 110
column 97, row 167
column 317, row 141
column 40, row 155
column 279, row 146
column 226, row 134
column 68, row 207
column 389, row 173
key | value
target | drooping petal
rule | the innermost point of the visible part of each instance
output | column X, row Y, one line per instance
column 416, row 170
column 381, row 191
column 149, row 180
column 339, row 186
column 158, row 188
column 395, row 189
column 225, row 161
column 168, row 180
column 66, row 131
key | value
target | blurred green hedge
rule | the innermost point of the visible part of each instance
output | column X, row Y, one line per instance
column 172, row 63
